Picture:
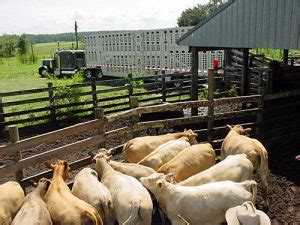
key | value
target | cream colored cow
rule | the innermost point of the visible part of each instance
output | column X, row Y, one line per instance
column 64, row 207
column 34, row 210
column 190, row 161
column 165, row 152
column 236, row 143
column 132, row 202
column 132, row 169
column 235, row 168
column 204, row 204
column 11, row 200
column 138, row 148
column 88, row 188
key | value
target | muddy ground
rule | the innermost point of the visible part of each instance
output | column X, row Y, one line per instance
column 283, row 180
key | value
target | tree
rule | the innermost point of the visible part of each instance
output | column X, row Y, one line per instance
column 9, row 47
column 23, row 45
column 193, row 16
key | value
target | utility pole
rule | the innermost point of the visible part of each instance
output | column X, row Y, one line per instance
column 76, row 35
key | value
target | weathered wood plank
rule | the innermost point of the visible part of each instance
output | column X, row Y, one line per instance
column 58, row 134
column 27, row 101
column 23, row 112
column 112, row 98
column 23, row 92
column 49, row 173
column 57, row 152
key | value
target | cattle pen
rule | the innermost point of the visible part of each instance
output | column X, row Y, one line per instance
column 262, row 112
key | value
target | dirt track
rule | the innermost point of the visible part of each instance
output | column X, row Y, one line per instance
column 283, row 180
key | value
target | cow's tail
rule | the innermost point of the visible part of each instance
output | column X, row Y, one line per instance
column 263, row 172
column 254, row 191
column 92, row 217
column 104, row 210
column 134, row 216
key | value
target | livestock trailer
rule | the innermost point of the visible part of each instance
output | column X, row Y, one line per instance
column 143, row 52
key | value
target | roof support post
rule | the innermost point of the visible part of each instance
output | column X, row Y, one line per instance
column 285, row 56
column 194, row 87
column 246, row 72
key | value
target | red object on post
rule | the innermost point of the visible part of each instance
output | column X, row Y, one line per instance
column 216, row 63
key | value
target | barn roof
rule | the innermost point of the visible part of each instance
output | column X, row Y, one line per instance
column 249, row 24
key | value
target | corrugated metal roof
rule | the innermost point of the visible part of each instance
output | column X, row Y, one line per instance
column 249, row 24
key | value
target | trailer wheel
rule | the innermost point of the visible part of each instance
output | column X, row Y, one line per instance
column 99, row 74
column 88, row 74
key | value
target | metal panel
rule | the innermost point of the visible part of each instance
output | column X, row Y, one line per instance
column 249, row 24
column 252, row 16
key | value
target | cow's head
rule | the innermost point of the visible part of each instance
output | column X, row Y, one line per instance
column 239, row 129
column 156, row 181
column 61, row 167
column 43, row 186
column 102, row 155
column 191, row 136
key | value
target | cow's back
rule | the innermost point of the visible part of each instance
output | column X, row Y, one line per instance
column 138, row 148
column 190, row 161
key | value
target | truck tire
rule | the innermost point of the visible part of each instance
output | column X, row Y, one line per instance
column 43, row 72
column 99, row 74
column 88, row 74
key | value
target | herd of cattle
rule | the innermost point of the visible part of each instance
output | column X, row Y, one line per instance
column 172, row 170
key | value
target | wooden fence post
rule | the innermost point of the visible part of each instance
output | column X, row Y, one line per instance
column 52, row 104
column 99, row 114
column 94, row 92
column 194, row 85
column 134, row 103
column 210, row 109
column 163, row 87
column 130, row 87
column 14, row 137
column 261, row 103
column 2, row 119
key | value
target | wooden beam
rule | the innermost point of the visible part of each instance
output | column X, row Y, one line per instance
column 58, row 134
column 194, row 87
column 246, row 72
column 285, row 56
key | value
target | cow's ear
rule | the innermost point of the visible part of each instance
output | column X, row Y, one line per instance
column 49, row 165
column 66, row 164
column 170, row 178
column 228, row 127
column 160, row 184
column 247, row 131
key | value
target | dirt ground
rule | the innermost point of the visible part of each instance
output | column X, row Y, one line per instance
column 283, row 180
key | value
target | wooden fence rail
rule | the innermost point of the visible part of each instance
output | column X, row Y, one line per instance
column 50, row 105
column 102, row 135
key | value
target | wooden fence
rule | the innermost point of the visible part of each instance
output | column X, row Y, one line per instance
column 233, row 77
column 59, row 105
column 209, row 127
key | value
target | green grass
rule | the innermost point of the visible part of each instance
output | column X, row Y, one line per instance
column 17, row 76
column 47, row 49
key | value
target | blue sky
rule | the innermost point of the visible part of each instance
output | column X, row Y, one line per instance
column 58, row 16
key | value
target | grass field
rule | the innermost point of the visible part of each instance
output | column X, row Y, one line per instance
column 15, row 75
column 46, row 49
